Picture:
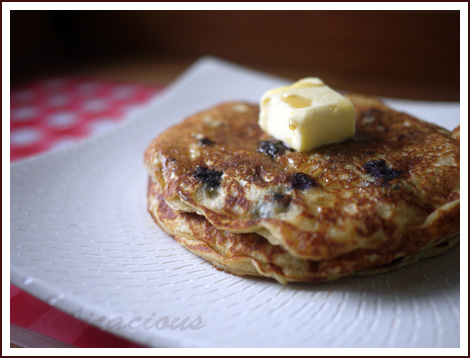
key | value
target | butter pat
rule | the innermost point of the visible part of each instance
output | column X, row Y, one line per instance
column 307, row 115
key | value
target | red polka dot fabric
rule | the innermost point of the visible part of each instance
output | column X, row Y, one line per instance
column 49, row 114
column 60, row 111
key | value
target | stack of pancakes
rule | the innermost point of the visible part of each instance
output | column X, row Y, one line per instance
column 249, row 205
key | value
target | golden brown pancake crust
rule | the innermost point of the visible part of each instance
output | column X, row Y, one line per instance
column 393, row 188
column 251, row 254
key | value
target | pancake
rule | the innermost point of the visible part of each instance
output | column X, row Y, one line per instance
column 393, row 189
column 456, row 133
column 251, row 254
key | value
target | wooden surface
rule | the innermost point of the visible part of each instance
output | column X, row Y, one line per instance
column 163, row 71
column 404, row 54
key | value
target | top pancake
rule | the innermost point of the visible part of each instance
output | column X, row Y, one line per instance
column 394, row 187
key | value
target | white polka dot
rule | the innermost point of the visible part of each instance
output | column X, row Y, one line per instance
column 58, row 100
column 123, row 92
column 62, row 119
column 55, row 84
column 102, row 126
column 95, row 105
column 23, row 96
column 23, row 114
column 24, row 136
column 87, row 88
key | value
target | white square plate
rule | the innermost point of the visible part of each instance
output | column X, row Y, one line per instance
column 82, row 240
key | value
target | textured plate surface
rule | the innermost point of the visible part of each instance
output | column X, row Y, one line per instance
column 82, row 240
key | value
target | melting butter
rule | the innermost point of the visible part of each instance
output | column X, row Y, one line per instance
column 307, row 114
